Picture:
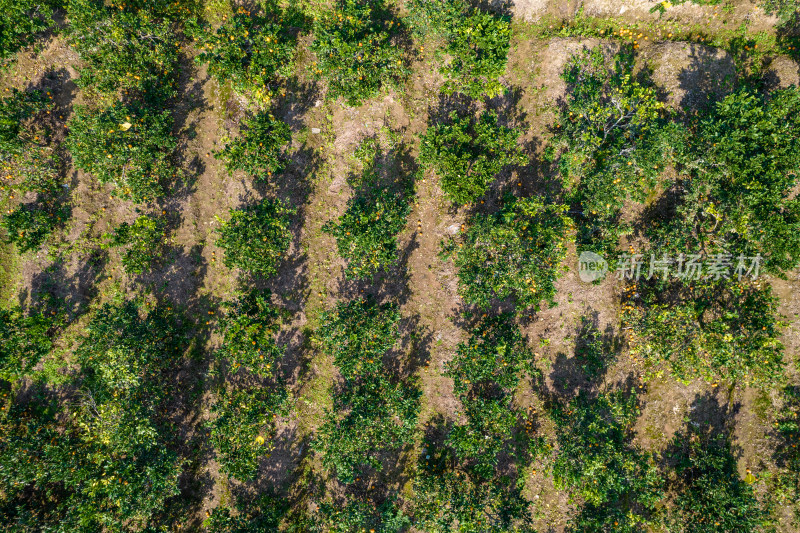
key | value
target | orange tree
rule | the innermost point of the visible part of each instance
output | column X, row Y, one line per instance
column 596, row 461
column 126, row 48
column 243, row 427
column 371, row 417
column 458, row 484
column 358, row 49
column 610, row 142
column 249, row 325
column 358, row 514
column 104, row 460
column 467, row 153
column 29, row 163
column 264, row 513
column 130, row 50
column 485, row 372
column 366, row 234
column 786, row 432
column 516, row 253
column 785, row 10
column 128, row 145
column 249, row 396
column 252, row 51
column 20, row 22
column 736, row 194
column 434, row 17
column 123, row 417
column 257, row 236
column 714, row 330
column 29, row 225
column 258, row 148
column 374, row 412
column 711, row 496
column 451, row 501
column 143, row 241
column 477, row 43
column 24, row 340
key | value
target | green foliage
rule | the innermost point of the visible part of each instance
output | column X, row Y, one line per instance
column 490, row 424
column 264, row 515
column 786, row 431
column 358, row 516
column 371, row 417
column 468, row 153
column 662, row 7
column 478, row 46
column 495, row 356
column 477, row 43
column 256, row 237
column 76, row 481
column 142, row 240
column 130, row 146
column 485, row 372
column 448, row 501
column 618, row 483
column 611, row 140
column 20, row 23
column 29, row 164
column 373, row 414
column 740, row 174
column 159, row 9
column 102, row 461
column 24, row 340
column 593, row 352
column 29, row 224
column 257, row 150
column 358, row 49
column 711, row 495
column 131, row 51
column 243, row 428
column 785, row 10
column 123, row 360
column 15, row 111
column 251, row 51
column 127, row 353
column 434, row 17
column 249, row 325
column 516, row 253
column 27, row 430
column 358, row 334
column 243, row 425
column 366, row 234
column 714, row 330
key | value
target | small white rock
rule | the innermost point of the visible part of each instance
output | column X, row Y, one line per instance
column 316, row 130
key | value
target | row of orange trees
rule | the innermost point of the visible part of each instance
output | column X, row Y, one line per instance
column 254, row 51
column 124, row 136
column 471, row 475
column 95, row 447
column 32, row 166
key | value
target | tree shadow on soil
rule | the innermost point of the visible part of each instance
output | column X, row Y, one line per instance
column 594, row 353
